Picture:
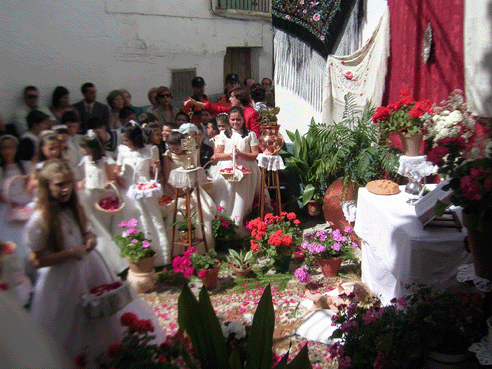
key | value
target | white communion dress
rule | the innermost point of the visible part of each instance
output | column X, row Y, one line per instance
column 135, row 168
column 103, row 224
column 237, row 197
column 58, row 290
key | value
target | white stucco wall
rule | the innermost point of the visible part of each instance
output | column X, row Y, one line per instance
column 118, row 43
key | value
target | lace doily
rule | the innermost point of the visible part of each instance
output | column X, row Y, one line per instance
column 152, row 189
column 466, row 273
column 481, row 350
column 270, row 162
column 349, row 210
column 419, row 164
column 187, row 178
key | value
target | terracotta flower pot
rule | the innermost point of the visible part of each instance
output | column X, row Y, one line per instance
column 411, row 143
column 239, row 272
column 143, row 266
column 141, row 275
column 313, row 208
column 331, row 204
column 330, row 267
column 480, row 248
column 211, row 277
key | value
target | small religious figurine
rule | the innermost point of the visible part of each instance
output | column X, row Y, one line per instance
column 188, row 144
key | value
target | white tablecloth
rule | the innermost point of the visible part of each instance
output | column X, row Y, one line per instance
column 397, row 251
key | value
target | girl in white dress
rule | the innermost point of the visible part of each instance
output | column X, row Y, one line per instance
column 69, row 266
column 137, row 163
column 98, row 177
column 237, row 197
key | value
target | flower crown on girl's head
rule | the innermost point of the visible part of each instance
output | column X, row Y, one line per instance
column 222, row 115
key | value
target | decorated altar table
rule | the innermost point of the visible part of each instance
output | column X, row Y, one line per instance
column 397, row 250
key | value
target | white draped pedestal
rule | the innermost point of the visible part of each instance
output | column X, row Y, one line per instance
column 270, row 165
column 397, row 250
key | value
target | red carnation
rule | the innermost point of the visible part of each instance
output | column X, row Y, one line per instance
column 437, row 154
column 128, row 319
column 114, row 350
column 81, row 360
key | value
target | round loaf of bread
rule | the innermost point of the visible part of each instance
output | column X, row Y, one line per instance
column 383, row 187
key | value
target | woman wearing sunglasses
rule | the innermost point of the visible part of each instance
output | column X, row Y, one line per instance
column 165, row 112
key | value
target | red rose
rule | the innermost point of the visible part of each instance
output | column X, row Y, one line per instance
column 349, row 75
column 114, row 350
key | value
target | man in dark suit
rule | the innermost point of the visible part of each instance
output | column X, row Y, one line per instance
column 89, row 107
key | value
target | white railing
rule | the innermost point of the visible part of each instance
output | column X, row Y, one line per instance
column 260, row 6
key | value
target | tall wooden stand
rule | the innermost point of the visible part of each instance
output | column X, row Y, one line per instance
column 193, row 178
column 270, row 165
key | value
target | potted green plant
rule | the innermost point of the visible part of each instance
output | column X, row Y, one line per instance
column 304, row 162
column 402, row 334
column 327, row 248
column 197, row 318
column 405, row 117
column 276, row 237
column 184, row 225
column 133, row 244
column 352, row 156
column 135, row 247
column 241, row 261
column 223, row 229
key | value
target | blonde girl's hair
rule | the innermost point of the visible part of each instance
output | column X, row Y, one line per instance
column 50, row 208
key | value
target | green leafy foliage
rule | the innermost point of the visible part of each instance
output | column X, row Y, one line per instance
column 241, row 259
column 199, row 321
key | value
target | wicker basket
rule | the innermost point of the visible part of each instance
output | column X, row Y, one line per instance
column 231, row 177
column 111, row 212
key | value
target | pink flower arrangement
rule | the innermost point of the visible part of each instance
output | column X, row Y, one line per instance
column 133, row 244
column 146, row 186
column 193, row 263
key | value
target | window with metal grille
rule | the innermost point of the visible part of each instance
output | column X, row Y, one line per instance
column 261, row 6
column 181, row 83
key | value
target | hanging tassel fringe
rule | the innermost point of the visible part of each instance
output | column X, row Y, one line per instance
column 298, row 68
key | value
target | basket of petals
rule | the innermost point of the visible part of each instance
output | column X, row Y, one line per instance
column 110, row 204
column 236, row 174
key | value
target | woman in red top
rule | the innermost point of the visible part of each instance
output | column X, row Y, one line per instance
column 239, row 97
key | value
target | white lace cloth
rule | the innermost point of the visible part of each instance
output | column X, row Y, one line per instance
column 466, row 273
column 483, row 351
column 416, row 164
column 187, row 178
column 270, row 162
column 349, row 210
